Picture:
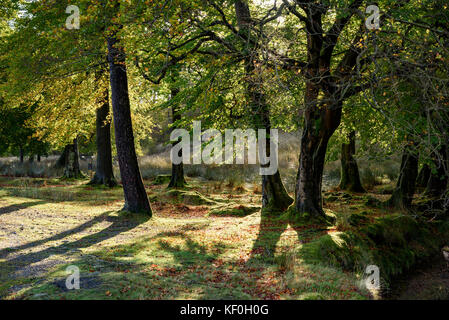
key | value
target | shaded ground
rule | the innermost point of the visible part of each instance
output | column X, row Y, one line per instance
column 217, row 246
column 425, row 282
column 181, row 253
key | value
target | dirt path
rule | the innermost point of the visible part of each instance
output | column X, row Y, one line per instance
column 426, row 282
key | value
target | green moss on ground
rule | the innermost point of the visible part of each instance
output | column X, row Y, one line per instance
column 189, row 197
column 162, row 179
column 394, row 243
column 233, row 210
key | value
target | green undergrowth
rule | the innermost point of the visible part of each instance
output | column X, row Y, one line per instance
column 304, row 219
column 189, row 197
column 233, row 210
column 394, row 243
column 162, row 179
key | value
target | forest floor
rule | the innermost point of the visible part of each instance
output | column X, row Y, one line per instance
column 429, row 281
column 217, row 246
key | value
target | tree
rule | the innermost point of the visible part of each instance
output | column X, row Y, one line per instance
column 350, row 178
column 104, row 174
column 17, row 136
column 417, row 75
column 183, row 36
column 438, row 180
column 136, row 199
column 328, row 83
column 405, row 188
column 177, row 179
column 274, row 195
column 423, row 176
column 71, row 59
column 71, row 161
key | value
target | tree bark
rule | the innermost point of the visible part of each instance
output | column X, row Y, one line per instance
column 71, row 161
column 324, row 95
column 423, row 176
column 274, row 194
column 21, row 155
column 438, row 180
column 177, row 179
column 38, row 158
column 60, row 163
column 405, row 188
column 319, row 124
column 350, row 177
column 104, row 174
column 136, row 199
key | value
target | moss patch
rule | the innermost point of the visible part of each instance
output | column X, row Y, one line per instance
column 233, row 210
column 162, row 179
column 393, row 243
column 189, row 197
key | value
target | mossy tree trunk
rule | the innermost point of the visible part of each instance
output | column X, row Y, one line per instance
column 405, row 188
column 136, row 198
column 319, row 125
column 177, row 179
column 71, row 161
column 325, row 92
column 104, row 174
column 274, row 194
column 350, row 177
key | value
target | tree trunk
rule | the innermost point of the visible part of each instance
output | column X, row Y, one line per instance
column 423, row 176
column 405, row 188
column 21, row 155
column 71, row 161
column 320, row 122
column 177, row 179
column 136, row 199
column 38, row 158
column 60, row 163
column 274, row 194
column 438, row 180
column 104, row 174
column 350, row 177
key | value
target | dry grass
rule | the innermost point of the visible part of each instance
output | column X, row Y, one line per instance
column 372, row 173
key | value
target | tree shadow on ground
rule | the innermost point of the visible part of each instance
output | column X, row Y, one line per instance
column 192, row 254
column 21, row 206
column 58, row 236
column 270, row 230
column 82, row 194
column 203, row 271
column 119, row 225
column 186, row 256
